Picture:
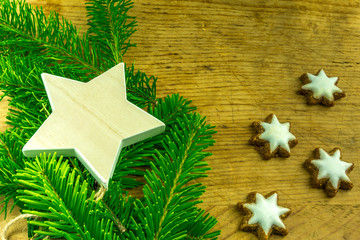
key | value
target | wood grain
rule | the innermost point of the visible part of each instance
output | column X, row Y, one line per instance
column 239, row 61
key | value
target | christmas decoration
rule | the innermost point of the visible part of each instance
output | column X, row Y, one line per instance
column 91, row 121
column 59, row 190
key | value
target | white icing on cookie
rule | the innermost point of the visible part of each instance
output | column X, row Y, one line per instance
column 277, row 134
column 266, row 212
column 331, row 167
column 322, row 86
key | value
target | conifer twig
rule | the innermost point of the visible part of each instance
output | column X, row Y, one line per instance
column 99, row 195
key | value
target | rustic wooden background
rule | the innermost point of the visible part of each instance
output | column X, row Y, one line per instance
column 239, row 60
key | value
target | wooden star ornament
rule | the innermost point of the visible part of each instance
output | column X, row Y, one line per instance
column 92, row 121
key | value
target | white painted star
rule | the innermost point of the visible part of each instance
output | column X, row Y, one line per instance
column 322, row 86
column 92, row 121
column 266, row 212
column 331, row 167
column 277, row 134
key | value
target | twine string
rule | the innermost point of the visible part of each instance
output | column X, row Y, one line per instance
column 100, row 194
column 12, row 222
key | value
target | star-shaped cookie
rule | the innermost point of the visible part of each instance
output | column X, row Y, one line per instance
column 263, row 215
column 320, row 89
column 329, row 172
column 273, row 138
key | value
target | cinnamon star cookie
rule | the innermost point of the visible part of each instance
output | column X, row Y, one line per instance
column 273, row 138
column 329, row 172
column 320, row 89
column 263, row 215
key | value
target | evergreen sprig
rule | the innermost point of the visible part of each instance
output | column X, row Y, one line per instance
column 111, row 27
column 60, row 191
column 64, row 205
column 11, row 160
column 28, row 30
column 169, row 207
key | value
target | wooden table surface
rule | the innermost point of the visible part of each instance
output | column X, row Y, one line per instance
column 240, row 60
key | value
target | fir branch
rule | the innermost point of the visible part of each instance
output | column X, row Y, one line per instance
column 121, row 204
column 24, row 30
column 141, row 89
column 171, row 108
column 111, row 27
column 21, row 82
column 54, row 193
column 114, row 184
column 84, row 174
column 11, row 159
column 200, row 226
column 133, row 162
column 169, row 198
